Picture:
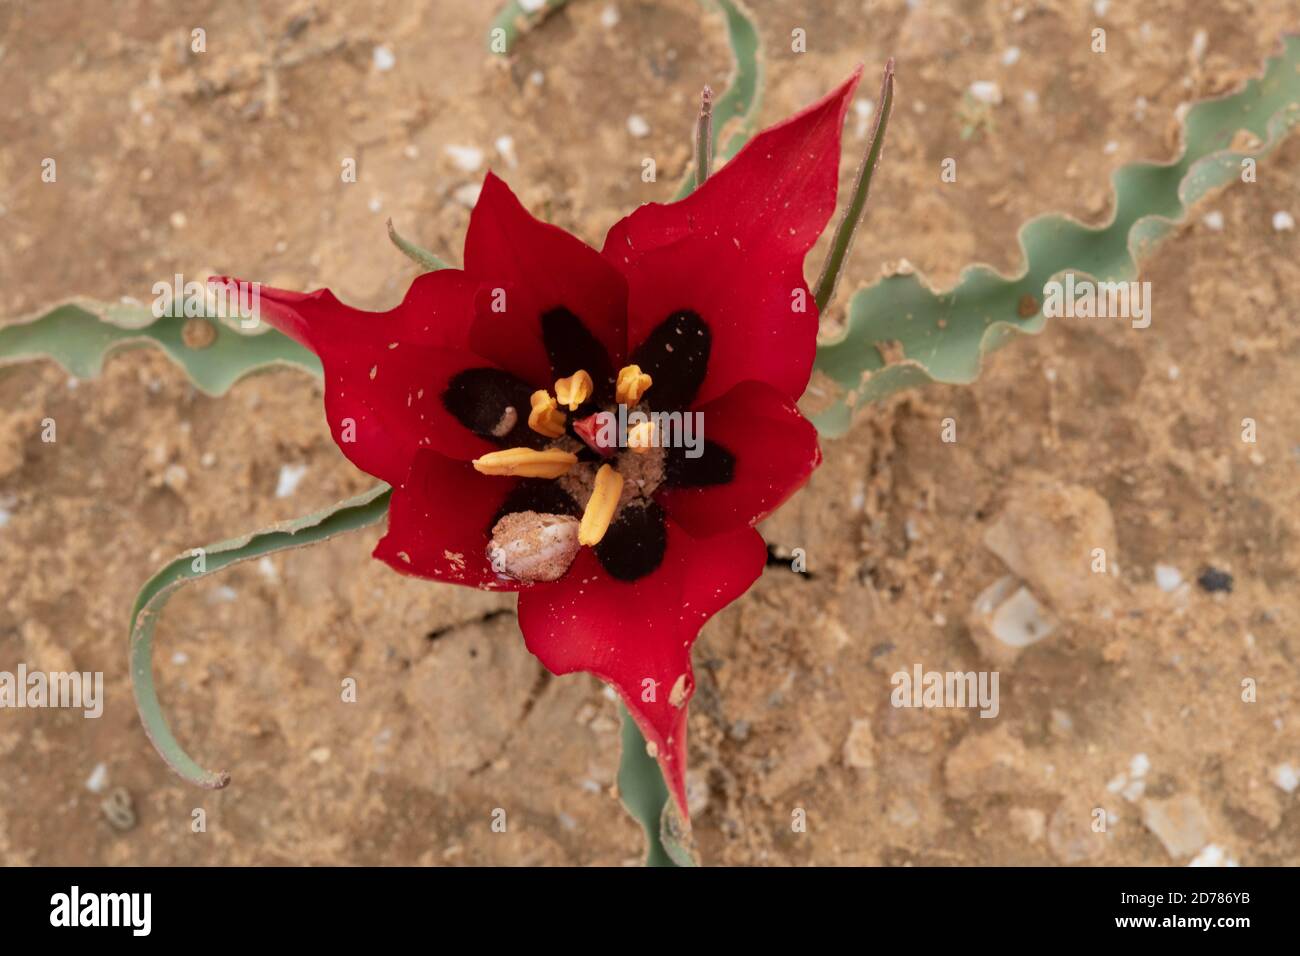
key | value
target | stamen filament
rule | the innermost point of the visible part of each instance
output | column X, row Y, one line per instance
column 602, row 504
column 526, row 463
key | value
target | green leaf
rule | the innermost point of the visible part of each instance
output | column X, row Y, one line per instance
column 422, row 257
column 79, row 334
column 515, row 21
column 945, row 335
column 642, row 789
column 744, row 89
column 365, row 509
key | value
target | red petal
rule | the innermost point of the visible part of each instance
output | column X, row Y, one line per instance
column 439, row 523
column 775, row 451
column 437, row 310
column 537, row 267
column 385, row 372
column 733, row 251
column 628, row 632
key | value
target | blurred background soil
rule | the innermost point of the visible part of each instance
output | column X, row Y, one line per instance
column 229, row 161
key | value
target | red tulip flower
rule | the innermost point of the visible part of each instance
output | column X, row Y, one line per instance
column 489, row 399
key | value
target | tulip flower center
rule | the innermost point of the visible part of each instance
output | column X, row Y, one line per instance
column 603, row 487
column 586, row 475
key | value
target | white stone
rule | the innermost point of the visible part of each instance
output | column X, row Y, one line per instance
column 384, row 59
column 986, row 91
column 1011, row 55
column 98, row 779
column 1168, row 577
column 1287, row 777
column 1213, row 220
column 506, row 147
column 609, row 16
column 468, row 194
column 637, row 126
column 290, row 476
column 1283, row 221
column 1139, row 765
column 468, row 159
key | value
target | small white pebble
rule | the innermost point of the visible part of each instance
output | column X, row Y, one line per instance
column 290, row 476
column 180, row 657
column 537, row 77
column 384, row 59
column 637, row 126
column 1212, row 855
column 266, row 567
column 223, row 594
column 468, row 194
column 1283, row 221
column 1174, row 372
column 1200, row 40
column 320, row 755
column 1213, row 220
column 375, row 204
column 609, row 16
column 1030, row 98
column 1099, row 7
column 506, row 147
column 986, row 91
column 1139, row 765
column 468, row 159
column 1110, row 148
column 1167, row 577
column 1010, row 56
column 98, row 779
column 1287, row 777
column 531, row 6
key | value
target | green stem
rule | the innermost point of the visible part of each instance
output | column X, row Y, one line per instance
column 848, row 225
column 704, row 138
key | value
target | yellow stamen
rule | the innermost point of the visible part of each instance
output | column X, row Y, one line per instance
column 545, row 418
column 574, row 390
column 600, row 506
column 641, row 438
column 526, row 463
column 631, row 384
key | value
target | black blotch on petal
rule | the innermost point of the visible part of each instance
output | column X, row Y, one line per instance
column 676, row 356
column 715, row 466
column 541, row 495
column 478, row 397
column 571, row 346
column 635, row 542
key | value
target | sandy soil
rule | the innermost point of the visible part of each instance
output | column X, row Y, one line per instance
column 229, row 161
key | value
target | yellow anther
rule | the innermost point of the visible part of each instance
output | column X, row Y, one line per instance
column 631, row 384
column 574, row 390
column 526, row 463
column 545, row 418
column 600, row 506
column 641, row 438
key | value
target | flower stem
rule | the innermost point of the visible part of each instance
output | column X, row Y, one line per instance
column 848, row 224
column 422, row 257
column 704, row 138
